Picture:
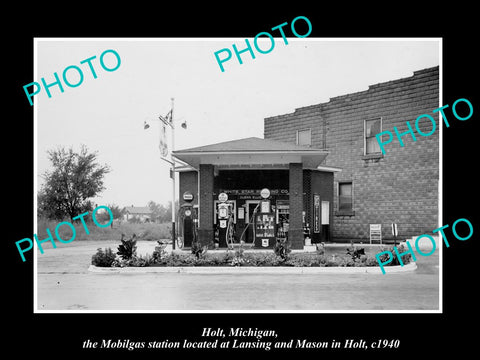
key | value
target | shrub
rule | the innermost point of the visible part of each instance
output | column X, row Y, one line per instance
column 198, row 250
column 128, row 248
column 282, row 248
column 301, row 261
column 140, row 261
column 322, row 260
column 355, row 253
column 239, row 259
column 320, row 248
column 371, row 261
column 159, row 253
column 401, row 249
column 267, row 259
column 177, row 260
column 223, row 260
column 103, row 258
column 405, row 259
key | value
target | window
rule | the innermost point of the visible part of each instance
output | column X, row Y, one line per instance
column 372, row 128
column 304, row 137
column 345, row 197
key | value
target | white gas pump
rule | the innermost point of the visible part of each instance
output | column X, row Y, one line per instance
column 225, row 221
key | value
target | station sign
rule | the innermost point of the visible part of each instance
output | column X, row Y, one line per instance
column 222, row 197
column 187, row 196
column 265, row 193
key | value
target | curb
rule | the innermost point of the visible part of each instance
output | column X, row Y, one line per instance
column 221, row 270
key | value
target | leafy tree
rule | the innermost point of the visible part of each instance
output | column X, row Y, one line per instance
column 160, row 212
column 75, row 178
column 116, row 211
column 156, row 210
column 104, row 216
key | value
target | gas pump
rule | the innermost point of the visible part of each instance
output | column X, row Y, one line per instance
column 265, row 227
column 225, row 221
column 188, row 220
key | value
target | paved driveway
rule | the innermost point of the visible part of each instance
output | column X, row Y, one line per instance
column 64, row 283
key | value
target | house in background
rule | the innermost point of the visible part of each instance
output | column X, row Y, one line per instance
column 140, row 213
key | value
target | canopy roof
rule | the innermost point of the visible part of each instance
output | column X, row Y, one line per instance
column 253, row 152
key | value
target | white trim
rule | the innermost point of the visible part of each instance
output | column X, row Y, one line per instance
column 250, row 152
column 327, row 168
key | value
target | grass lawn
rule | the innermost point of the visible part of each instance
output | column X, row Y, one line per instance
column 145, row 231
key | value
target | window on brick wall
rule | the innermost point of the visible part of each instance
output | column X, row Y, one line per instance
column 304, row 137
column 371, row 128
column 345, row 198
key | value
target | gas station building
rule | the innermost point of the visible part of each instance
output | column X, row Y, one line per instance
column 326, row 177
column 300, row 190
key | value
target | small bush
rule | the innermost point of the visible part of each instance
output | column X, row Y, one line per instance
column 320, row 248
column 355, row 252
column 401, row 249
column 282, row 248
column 300, row 261
column 371, row 261
column 159, row 253
column 127, row 250
column 198, row 250
column 103, row 258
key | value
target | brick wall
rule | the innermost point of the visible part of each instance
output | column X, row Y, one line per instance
column 401, row 186
column 188, row 181
column 205, row 230
column 295, row 196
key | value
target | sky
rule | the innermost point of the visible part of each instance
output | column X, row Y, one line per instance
column 107, row 114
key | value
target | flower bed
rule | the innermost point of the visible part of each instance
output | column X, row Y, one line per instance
column 239, row 257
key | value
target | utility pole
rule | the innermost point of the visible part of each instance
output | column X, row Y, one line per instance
column 168, row 121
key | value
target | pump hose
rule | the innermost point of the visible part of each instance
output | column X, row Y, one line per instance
column 250, row 222
column 177, row 230
column 227, row 233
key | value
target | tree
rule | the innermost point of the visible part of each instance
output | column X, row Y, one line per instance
column 160, row 212
column 104, row 216
column 69, row 186
column 116, row 211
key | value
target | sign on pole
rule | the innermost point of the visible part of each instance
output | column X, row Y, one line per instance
column 394, row 229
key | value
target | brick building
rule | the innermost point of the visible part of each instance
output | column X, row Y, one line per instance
column 297, row 187
column 324, row 169
column 400, row 186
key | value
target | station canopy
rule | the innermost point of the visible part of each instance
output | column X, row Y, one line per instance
column 253, row 152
